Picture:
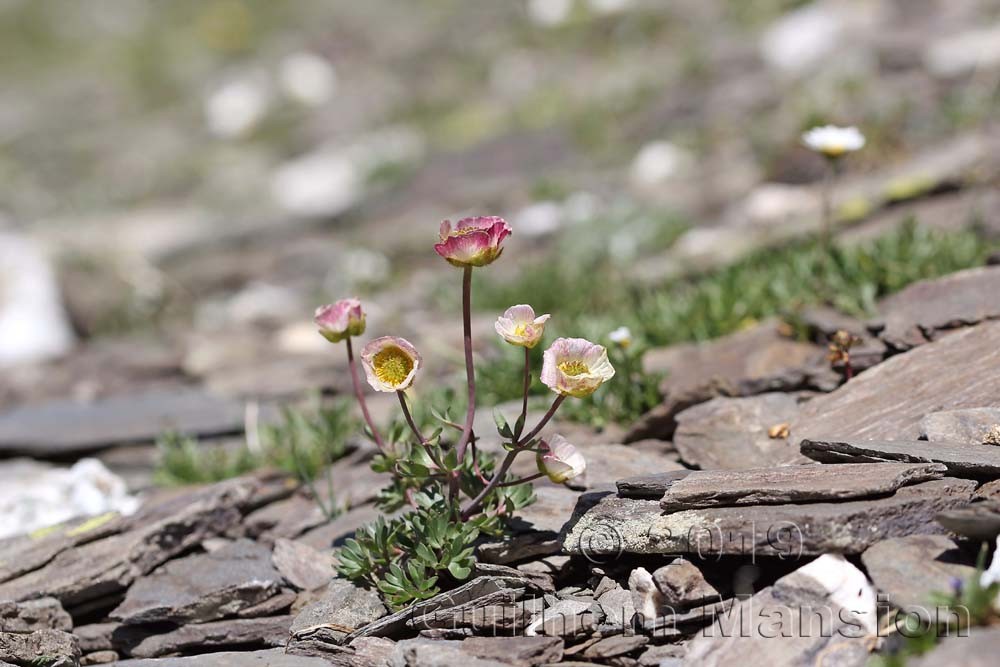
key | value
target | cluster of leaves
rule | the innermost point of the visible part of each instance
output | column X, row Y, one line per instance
column 968, row 604
column 304, row 443
column 414, row 555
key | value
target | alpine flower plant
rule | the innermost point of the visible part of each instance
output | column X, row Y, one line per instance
column 452, row 492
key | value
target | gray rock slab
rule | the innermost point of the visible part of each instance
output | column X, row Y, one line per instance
column 515, row 651
column 31, row 615
column 607, row 463
column 535, row 529
column 683, row 586
column 77, row 573
column 979, row 461
column 908, row 570
column 41, row 648
column 888, row 401
column 970, row 426
column 755, row 361
column 604, row 527
column 362, row 652
column 732, row 433
column 204, row 587
column 649, row 486
column 343, row 608
column 979, row 521
column 66, row 428
column 979, row 649
column 422, row 652
column 916, row 314
column 269, row 658
column 265, row 632
column 469, row 592
column 794, row 484
column 301, row 565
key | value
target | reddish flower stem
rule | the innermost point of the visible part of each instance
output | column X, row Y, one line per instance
column 416, row 429
column 361, row 397
column 508, row 460
column 470, row 376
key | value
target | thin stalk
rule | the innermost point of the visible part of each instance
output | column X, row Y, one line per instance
column 545, row 420
column 527, row 387
column 508, row 460
column 523, row 480
column 470, row 376
column 415, row 428
column 826, row 232
column 361, row 397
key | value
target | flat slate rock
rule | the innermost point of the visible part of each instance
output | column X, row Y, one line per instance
column 908, row 570
column 75, row 571
column 269, row 658
column 979, row 521
column 732, row 433
column 972, row 426
column 793, row 484
column 964, row 460
column 41, row 648
column 470, row 592
column 649, row 486
column 916, row 314
column 979, row 648
column 758, row 360
column 605, row 526
column 204, row 587
column 268, row 632
column 888, row 401
column 66, row 428
column 31, row 615
column 343, row 608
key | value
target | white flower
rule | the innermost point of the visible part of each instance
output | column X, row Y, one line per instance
column 575, row 367
column 621, row 336
column 559, row 460
column 519, row 326
column 833, row 141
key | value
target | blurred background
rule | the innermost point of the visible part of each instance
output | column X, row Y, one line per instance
column 182, row 182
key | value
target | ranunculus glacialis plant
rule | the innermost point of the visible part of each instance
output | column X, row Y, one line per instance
column 454, row 491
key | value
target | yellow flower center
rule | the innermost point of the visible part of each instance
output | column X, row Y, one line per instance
column 521, row 329
column 392, row 365
column 573, row 367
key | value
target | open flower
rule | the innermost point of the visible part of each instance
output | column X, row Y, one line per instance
column 390, row 363
column 833, row 141
column 622, row 337
column 559, row 460
column 519, row 326
column 575, row 367
column 474, row 241
column 337, row 321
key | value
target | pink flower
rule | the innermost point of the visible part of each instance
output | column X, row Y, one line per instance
column 339, row 320
column 390, row 363
column 559, row 460
column 575, row 367
column 519, row 326
column 473, row 241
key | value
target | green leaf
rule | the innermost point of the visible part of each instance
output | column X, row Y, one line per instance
column 458, row 570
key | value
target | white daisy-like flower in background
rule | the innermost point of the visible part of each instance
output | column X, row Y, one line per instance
column 622, row 337
column 519, row 326
column 833, row 141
